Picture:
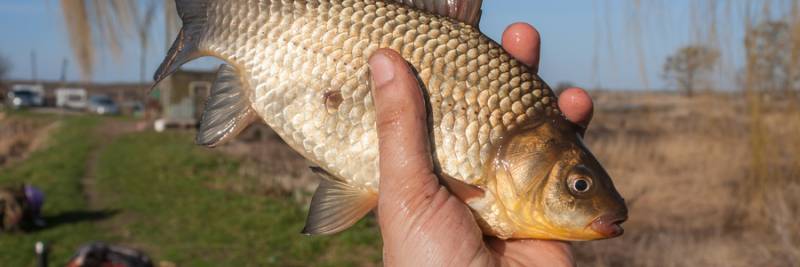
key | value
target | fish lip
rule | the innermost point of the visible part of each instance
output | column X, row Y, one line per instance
column 609, row 225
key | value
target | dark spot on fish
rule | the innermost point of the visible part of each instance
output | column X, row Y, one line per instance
column 332, row 100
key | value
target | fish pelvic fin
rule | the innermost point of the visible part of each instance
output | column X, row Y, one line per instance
column 460, row 189
column 337, row 205
column 227, row 111
column 194, row 15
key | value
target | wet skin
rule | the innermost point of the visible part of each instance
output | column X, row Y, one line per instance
column 422, row 224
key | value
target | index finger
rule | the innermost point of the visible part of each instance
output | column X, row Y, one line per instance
column 523, row 42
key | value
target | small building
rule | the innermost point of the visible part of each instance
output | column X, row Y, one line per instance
column 183, row 96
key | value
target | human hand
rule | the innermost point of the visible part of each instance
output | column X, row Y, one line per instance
column 422, row 224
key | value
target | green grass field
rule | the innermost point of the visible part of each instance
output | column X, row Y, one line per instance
column 157, row 192
column 57, row 170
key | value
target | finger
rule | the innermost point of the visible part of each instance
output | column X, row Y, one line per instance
column 405, row 161
column 577, row 106
column 523, row 42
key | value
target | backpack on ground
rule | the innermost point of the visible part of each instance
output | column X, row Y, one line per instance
column 12, row 208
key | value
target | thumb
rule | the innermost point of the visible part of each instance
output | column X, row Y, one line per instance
column 406, row 174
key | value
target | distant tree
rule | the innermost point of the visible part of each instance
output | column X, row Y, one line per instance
column 689, row 68
column 5, row 67
column 93, row 24
column 143, row 23
column 773, row 57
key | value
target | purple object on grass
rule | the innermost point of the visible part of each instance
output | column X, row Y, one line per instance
column 35, row 199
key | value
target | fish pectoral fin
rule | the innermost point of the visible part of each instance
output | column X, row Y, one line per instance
column 460, row 189
column 337, row 205
column 227, row 110
column 467, row 11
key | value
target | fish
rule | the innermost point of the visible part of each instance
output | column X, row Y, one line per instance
column 499, row 141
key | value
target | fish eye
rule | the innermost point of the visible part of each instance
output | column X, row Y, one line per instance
column 580, row 184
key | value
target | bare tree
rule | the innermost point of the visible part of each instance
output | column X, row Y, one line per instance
column 5, row 67
column 690, row 66
column 143, row 23
column 106, row 23
column 772, row 57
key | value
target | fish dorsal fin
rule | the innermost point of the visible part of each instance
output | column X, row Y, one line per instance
column 227, row 110
column 194, row 16
column 337, row 205
column 467, row 11
column 460, row 189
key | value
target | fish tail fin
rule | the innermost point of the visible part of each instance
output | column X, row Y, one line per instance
column 194, row 14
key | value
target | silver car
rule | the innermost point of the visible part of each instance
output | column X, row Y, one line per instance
column 102, row 105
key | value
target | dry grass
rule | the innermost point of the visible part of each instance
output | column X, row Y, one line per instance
column 274, row 167
column 19, row 136
column 684, row 166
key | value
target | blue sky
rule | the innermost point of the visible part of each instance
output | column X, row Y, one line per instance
column 575, row 41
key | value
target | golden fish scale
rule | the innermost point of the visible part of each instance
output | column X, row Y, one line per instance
column 291, row 53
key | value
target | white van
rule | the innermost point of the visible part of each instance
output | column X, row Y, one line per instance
column 71, row 98
column 36, row 92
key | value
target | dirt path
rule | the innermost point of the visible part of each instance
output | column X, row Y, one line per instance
column 104, row 133
column 88, row 180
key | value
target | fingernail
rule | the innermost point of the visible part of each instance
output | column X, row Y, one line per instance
column 381, row 68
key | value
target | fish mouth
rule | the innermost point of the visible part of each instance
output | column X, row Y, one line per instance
column 609, row 225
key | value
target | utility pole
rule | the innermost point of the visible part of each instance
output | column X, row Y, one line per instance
column 33, row 66
column 64, row 70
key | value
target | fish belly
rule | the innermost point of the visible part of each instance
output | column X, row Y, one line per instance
column 305, row 65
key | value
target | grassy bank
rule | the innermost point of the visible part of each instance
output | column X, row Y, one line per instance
column 162, row 194
column 57, row 170
column 167, row 189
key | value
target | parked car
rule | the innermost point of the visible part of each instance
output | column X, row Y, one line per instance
column 71, row 98
column 21, row 99
column 102, row 105
column 34, row 91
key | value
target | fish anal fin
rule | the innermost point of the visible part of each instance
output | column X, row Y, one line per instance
column 227, row 111
column 466, row 11
column 460, row 189
column 337, row 205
